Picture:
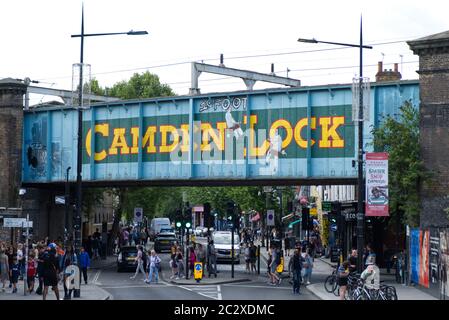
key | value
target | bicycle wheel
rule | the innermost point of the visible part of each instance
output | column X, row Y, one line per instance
column 330, row 283
column 337, row 291
column 390, row 293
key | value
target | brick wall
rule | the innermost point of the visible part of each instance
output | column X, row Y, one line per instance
column 11, row 123
column 434, row 126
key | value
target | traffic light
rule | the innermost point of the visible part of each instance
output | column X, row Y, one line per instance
column 305, row 218
column 236, row 217
column 208, row 217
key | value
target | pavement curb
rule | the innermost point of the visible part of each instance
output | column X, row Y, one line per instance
column 210, row 283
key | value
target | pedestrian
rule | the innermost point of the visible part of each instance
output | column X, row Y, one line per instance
column 31, row 272
column 201, row 255
column 192, row 259
column 173, row 263
column 371, row 274
column 342, row 276
column 296, row 268
column 69, row 258
column 95, row 248
column 11, row 253
column 253, row 256
column 368, row 252
column 84, row 263
column 4, row 268
column 275, row 261
column 211, row 259
column 246, row 253
column 143, row 237
column 89, row 247
column 40, row 268
column 180, row 262
column 14, row 274
column 353, row 261
column 307, row 265
column 139, row 263
column 287, row 246
column 21, row 260
column 154, row 267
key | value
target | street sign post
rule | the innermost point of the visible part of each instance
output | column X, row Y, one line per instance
column 270, row 217
column 17, row 223
column 138, row 214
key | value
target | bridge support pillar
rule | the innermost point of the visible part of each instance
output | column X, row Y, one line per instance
column 433, row 52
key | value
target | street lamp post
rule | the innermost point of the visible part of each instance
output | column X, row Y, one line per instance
column 77, row 227
column 67, row 205
column 360, row 181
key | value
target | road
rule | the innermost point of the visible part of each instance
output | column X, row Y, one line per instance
column 123, row 288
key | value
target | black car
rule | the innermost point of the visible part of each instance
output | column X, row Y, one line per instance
column 126, row 259
column 164, row 241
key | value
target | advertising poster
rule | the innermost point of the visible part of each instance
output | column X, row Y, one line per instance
column 376, row 184
column 444, row 262
column 414, row 255
column 424, row 258
column 434, row 256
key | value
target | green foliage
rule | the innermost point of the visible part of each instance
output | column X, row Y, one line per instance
column 400, row 138
column 139, row 86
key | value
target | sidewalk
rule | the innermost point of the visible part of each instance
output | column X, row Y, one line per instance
column 404, row 292
column 88, row 292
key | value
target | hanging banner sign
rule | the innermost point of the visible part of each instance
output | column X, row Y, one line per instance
column 376, row 184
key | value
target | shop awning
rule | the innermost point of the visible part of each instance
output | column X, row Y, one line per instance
column 293, row 223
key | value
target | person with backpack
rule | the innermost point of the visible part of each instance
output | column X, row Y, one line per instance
column 139, row 263
column 154, row 264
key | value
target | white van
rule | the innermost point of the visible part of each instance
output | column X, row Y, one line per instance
column 156, row 225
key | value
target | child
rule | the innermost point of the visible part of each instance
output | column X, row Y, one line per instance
column 14, row 274
column 31, row 273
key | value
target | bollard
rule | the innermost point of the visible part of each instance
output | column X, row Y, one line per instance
column 258, row 259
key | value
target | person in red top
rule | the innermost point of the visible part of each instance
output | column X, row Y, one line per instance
column 31, row 272
column 192, row 259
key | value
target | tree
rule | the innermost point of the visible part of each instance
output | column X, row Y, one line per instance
column 139, row 86
column 400, row 138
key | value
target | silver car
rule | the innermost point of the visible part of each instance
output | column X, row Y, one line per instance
column 222, row 242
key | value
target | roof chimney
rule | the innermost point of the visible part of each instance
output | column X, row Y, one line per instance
column 395, row 67
column 379, row 66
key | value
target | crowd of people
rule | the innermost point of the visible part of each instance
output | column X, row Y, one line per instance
column 46, row 263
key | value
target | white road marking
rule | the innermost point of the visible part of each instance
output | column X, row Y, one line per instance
column 208, row 291
column 219, row 292
column 265, row 287
column 138, row 286
column 97, row 275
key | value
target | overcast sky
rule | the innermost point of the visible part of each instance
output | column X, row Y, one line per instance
column 36, row 39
